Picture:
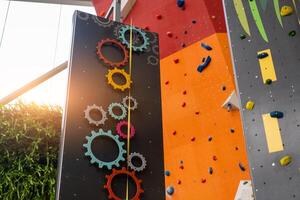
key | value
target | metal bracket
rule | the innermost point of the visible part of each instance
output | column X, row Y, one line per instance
column 231, row 102
column 114, row 8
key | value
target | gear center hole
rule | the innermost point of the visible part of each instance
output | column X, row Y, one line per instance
column 105, row 149
column 136, row 161
column 137, row 38
column 124, row 129
column 96, row 114
column 112, row 52
column 117, row 111
column 119, row 79
column 119, row 186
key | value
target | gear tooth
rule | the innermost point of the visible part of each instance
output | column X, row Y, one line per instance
column 85, row 145
column 117, row 165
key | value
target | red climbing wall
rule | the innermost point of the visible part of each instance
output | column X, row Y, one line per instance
column 191, row 101
column 198, row 20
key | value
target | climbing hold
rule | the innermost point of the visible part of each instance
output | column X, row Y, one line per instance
column 286, row 11
column 181, row 166
column 170, row 190
column 205, row 46
column 179, row 182
column 276, row 114
column 231, row 130
column 183, row 105
column 210, row 138
column 194, row 21
column 193, row 139
column 169, row 34
column 197, row 113
column 174, row 133
column 262, row 55
column 167, row 82
column 176, row 60
column 250, row 105
column 147, row 28
column 242, row 167
column 203, row 180
column 210, row 170
column 242, row 36
column 292, row 33
column 268, row 82
column 202, row 66
column 184, row 92
column 180, row 3
column 158, row 17
column 183, row 45
column 215, row 158
column 167, row 173
column 285, row 160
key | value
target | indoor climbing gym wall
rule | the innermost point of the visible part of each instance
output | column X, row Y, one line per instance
column 113, row 118
column 265, row 47
column 204, row 151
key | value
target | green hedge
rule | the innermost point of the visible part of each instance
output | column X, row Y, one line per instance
column 29, row 142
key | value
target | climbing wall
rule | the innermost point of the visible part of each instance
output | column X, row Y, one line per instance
column 265, row 47
column 205, row 156
column 94, row 146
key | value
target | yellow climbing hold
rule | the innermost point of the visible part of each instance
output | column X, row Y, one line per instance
column 250, row 105
column 286, row 11
column 285, row 160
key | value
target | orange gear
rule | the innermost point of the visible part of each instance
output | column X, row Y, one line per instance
column 109, row 62
column 112, row 195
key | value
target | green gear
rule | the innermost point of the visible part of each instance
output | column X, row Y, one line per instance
column 100, row 163
column 113, row 115
column 122, row 38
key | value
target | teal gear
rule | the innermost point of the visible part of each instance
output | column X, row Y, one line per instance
column 122, row 38
column 100, row 163
column 113, row 115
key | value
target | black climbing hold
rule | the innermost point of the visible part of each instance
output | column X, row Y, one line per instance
column 205, row 46
column 194, row 21
column 180, row 3
column 210, row 138
column 231, row 130
column 268, row 81
column 202, row 66
column 276, row 114
column 292, row 33
column 242, row 36
column 242, row 167
column 262, row 55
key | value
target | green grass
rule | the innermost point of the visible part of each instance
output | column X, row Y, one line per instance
column 29, row 142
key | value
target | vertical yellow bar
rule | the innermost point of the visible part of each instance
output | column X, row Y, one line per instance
column 267, row 66
column 273, row 134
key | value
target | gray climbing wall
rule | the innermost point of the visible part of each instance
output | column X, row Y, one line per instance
column 267, row 143
column 80, row 178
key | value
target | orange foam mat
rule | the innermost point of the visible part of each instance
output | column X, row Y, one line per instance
column 192, row 114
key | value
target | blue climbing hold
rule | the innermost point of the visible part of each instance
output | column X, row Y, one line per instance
column 205, row 63
column 262, row 55
column 180, row 3
column 170, row 190
column 206, row 46
column 276, row 114
column 167, row 173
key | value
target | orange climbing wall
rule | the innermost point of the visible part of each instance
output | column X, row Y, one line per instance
column 192, row 111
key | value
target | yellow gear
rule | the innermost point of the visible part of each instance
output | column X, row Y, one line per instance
column 114, row 84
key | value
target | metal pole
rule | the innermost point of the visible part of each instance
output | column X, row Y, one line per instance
column 33, row 83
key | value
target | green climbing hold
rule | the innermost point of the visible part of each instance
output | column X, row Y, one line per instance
column 269, row 81
column 292, row 33
column 242, row 36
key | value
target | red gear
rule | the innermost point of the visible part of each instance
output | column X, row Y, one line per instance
column 112, row 195
column 105, row 60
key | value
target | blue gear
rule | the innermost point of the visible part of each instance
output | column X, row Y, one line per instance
column 100, row 163
column 113, row 115
column 122, row 38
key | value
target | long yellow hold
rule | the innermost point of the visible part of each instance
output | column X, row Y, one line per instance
column 273, row 134
column 267, row 66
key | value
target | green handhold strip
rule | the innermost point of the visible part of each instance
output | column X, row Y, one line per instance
column 263, row 4
column 240, row 10
column 258, row 20
column 277, row 11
